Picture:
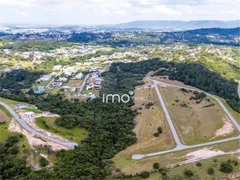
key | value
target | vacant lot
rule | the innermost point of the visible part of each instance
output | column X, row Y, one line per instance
column 73, row 82
column 48, row 123
column 4, row 121
column 174, row 173
column 235, row 114
column 12, row 103
column 3, row 117
column 129, row 166
column 196, row 121
column 148, row 120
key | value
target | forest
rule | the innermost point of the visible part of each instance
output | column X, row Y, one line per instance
column 109, row 125
column 110, row 131
column 36, row 45
column 18, row 79
column 125, row 76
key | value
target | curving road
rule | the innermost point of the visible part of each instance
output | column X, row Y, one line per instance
column 31, row 130
column 179, row 145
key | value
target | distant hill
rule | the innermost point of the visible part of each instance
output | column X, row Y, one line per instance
column 179, row 25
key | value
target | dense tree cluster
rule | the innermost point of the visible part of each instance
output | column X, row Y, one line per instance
column 194, row 74
column 110, row 131
column 18, row 79
column 36, row 45
column 198, row 36
column 12, row 167
column 109, row 124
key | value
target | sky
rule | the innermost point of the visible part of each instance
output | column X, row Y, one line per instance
column 95, row 12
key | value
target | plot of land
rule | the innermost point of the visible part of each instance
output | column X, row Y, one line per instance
column 196, row 121
column 235, row 114
column 130, row 166
column 48, row 123
column 148, row 120
column 215, row 162
column 41, row 83
column 4, row 118
column 73, row 83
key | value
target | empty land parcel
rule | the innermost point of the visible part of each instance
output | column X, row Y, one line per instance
column 48, row 123
column 150, row 117
column 196, row 120
column 130, row 166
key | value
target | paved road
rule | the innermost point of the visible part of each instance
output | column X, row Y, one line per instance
column 50, row 82
column 175, row 135
column 83, row 84
column 140, row 156
column 31, row 130
column 180, row 146
column 214, row 97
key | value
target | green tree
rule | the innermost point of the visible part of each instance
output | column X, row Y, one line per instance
column 43, row 162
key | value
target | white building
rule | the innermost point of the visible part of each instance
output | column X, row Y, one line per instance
column 7, row 70
column 79, row 76
column 57, row 67
column 45, row 78
column 63, row 79
column 28, row 115
column 21, row 106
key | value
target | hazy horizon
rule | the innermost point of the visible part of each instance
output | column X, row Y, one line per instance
column 102, row 12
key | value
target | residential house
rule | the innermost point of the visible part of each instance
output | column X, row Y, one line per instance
column 21, row 106
column 28, row 115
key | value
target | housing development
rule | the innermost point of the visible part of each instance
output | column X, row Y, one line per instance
column 120, row 101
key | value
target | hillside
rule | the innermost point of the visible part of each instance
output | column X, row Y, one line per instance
column 181, row 25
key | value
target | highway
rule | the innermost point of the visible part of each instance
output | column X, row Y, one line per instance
column 179, row 145
column 36, row 133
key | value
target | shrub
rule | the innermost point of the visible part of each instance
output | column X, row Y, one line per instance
column 226, row 167
column 210, row 171
column 188, row 173
column 199, row 164
column 159, row 130
column 156, row 165
column 43, row 162
column 144, row 174
column 235, row 163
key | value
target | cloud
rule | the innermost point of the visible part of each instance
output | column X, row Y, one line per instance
column 163, row 9
column 113, row 11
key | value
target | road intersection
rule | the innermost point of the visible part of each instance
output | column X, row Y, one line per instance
column 179, row 145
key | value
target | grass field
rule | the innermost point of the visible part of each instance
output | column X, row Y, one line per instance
column 12, row 103
column 196, row 124
column 199, row 172
column 4, row 110
column 94, row 91
column 75, row 134
column 4, row 133
column 73, row 82
column 235, row 114
column 42, row 83
column 130, row 166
